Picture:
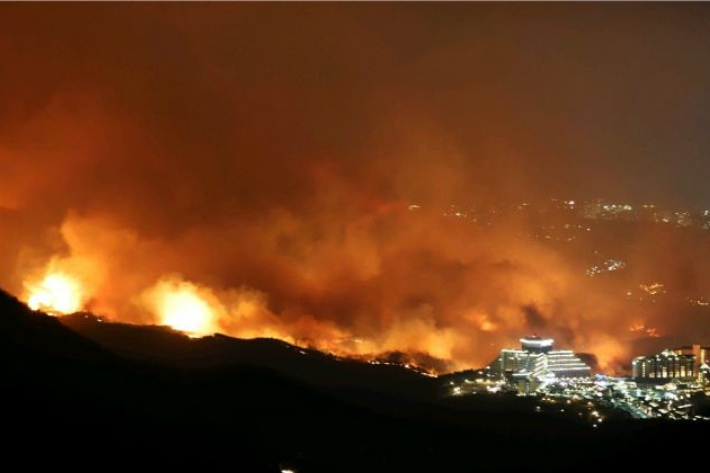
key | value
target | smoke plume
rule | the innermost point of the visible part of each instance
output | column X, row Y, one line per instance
column 287, row 168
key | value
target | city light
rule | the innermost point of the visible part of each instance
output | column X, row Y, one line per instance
column 661, row 386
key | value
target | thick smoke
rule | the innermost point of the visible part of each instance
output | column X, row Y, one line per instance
column 266, row 156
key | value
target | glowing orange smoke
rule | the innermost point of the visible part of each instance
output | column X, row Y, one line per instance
column 56, row 294
column 181, row 306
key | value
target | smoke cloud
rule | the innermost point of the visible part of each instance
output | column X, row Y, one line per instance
column 265, row 158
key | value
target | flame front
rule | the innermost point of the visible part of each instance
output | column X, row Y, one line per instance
column 56, row 294
column 180, row 306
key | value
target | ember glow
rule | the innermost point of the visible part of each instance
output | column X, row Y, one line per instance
column 56, row 294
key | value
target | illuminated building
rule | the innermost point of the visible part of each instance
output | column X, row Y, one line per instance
column 536, row 360
column 536, row 344
column 705, row 373
column 665, row 366
column 521, row 361
column 701, row 354
column 565, row 364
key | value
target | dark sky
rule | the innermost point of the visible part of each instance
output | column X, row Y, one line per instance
column 272, row 146
column 592, row 99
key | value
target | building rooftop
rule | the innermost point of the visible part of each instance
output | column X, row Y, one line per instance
column 535, row 340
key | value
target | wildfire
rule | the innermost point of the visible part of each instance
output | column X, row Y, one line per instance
column 182, row 307
column 651, row 332
column 482, row 321
column 652, row 289
column 56, row 294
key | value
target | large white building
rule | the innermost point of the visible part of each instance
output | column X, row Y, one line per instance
column 537, row 359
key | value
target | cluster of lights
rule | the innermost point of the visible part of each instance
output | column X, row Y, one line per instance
column 607, row 266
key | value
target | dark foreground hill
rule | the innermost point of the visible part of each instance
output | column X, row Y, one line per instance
column 132, row 397
column 166, row 347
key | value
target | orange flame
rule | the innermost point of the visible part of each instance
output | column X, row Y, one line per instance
column 181, row 305
column 56, row 294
